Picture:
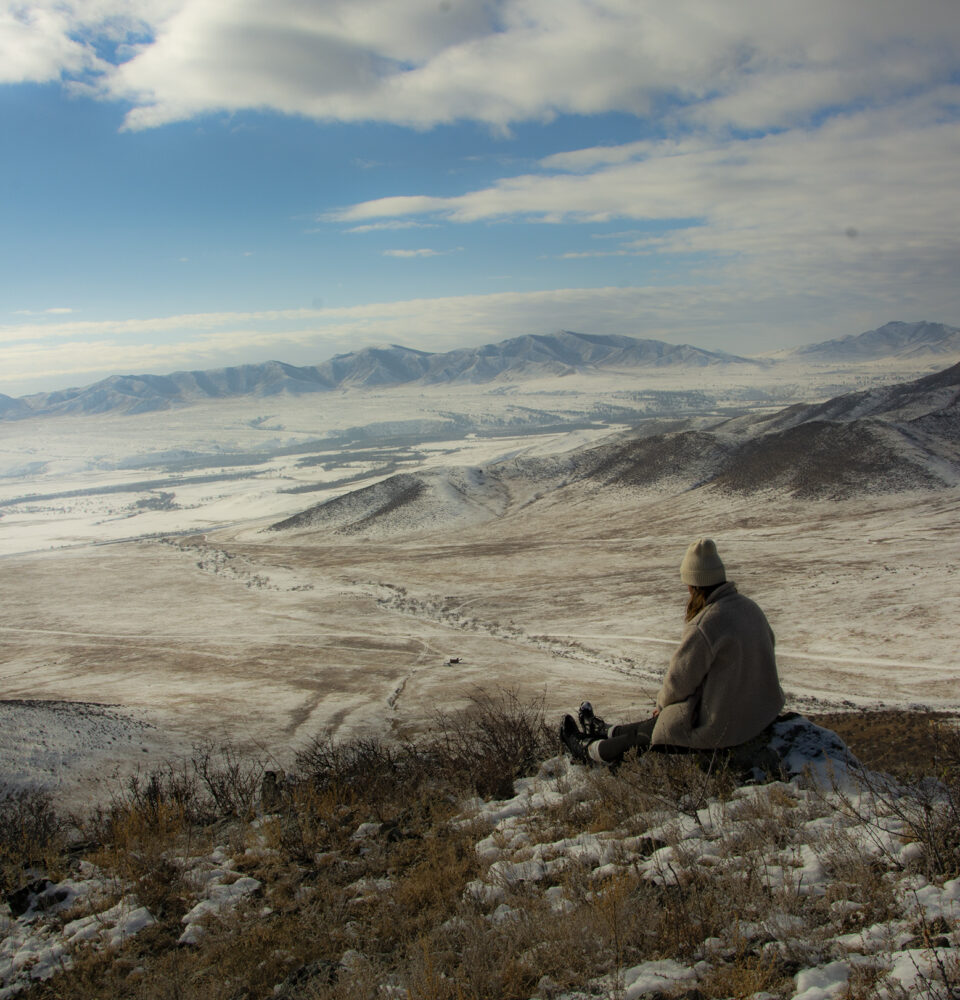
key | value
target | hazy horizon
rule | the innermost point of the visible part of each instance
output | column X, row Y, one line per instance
column 66, row 384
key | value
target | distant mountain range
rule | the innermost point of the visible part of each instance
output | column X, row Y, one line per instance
column 561, row 353
column 892, row 340
column 895, row 438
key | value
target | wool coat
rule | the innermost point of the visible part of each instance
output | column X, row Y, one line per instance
column 721, row 688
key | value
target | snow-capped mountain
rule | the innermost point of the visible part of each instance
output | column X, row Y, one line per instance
column 892, row 340
column 521, row 357
column 10, row 407
column 533, row 356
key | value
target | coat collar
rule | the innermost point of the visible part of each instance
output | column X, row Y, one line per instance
column 727, row 589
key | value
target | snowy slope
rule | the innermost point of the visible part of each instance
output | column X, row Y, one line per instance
column 892, row 340
column 812, row 885
column 895, row 438
column 410, row 503
column 900, row 402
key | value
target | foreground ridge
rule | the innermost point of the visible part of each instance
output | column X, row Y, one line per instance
column 366, row 872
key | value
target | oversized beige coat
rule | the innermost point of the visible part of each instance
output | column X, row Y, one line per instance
column 721, row 687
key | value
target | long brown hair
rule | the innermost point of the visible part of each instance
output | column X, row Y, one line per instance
column 698, row 600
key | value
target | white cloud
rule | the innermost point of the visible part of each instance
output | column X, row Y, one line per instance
column 585, row 254
column 87, row 329
column 422, row 252
column 44, row 40
column 751, row 63
column 778, row 127
column 52, row 311
column 598, row 156
column 35, row 45
column 389, row 225
column 775, row 207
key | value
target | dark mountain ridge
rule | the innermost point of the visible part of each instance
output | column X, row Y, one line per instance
column 897, row 437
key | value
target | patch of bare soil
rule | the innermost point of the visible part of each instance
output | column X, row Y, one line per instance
column 898, row 741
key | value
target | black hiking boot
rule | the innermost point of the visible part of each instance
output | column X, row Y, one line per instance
column 592, row 725
column 575, row 740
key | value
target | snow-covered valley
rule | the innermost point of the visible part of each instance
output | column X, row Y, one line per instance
column 250, row 574
column 140, row 573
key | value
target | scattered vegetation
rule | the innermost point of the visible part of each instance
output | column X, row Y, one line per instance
column 31, row 836
column 473, row 863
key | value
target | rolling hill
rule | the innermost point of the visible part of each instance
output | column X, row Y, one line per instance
column 899, row 437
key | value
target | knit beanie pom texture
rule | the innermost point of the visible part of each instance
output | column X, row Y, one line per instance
column 702, row 566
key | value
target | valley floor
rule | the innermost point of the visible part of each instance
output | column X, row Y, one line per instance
column 264, row 639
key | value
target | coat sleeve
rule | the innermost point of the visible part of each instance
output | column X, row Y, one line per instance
column 688, row 667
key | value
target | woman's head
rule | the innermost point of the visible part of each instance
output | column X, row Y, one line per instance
column 702, row 571
column 702, row 566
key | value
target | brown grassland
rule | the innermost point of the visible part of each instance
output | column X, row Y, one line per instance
column 368, row 862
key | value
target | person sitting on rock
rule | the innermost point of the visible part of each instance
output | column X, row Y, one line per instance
column 721, row 688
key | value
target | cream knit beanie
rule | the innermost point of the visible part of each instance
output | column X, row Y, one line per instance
column 701, row 566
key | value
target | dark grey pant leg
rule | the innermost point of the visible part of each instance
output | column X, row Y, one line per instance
column 626, row 737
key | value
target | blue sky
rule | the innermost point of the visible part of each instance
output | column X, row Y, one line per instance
column 193, row 183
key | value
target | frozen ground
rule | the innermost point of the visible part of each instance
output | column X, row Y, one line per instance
column 222, row 630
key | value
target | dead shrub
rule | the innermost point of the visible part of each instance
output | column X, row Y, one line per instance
column 856, row 881
column 168, row 794
column 497, row 739
column 232, row 778
column 697, row 906
column 366, row 768
column 746, row 975
column 382, row 911
column 431, row 875
column 482, row 748
column 647, row 784
column 926, row 807
column 155, row 809
column 410, row 787
column 31, row 834
column 314, row 820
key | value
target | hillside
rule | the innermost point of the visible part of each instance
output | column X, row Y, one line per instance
column 902, row 436
column 410, row 501
column 886, row 440
column 902, row 402
column 475, row 863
